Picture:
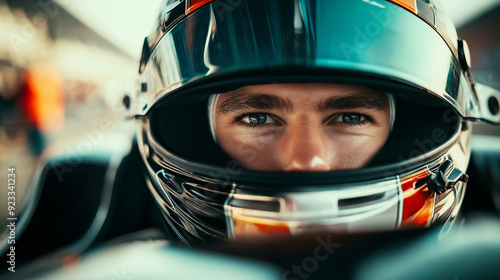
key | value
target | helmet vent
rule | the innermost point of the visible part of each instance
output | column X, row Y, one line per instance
column 268, row 206
column 359, row 201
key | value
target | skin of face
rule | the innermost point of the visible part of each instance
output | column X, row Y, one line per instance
column 302, row 127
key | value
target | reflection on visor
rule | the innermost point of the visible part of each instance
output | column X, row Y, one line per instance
column 419, row 200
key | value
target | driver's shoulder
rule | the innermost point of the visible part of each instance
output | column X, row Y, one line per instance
column 84, row 193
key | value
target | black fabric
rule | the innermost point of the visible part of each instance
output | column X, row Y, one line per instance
column 417, row 130
column 185, row 130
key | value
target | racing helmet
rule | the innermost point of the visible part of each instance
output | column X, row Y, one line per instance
column 407, row 48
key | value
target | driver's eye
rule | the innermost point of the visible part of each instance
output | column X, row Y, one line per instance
column 258, row 119
column 351, row 118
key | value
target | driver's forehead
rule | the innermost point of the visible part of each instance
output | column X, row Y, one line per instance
column 288, row 88
column 308, row 91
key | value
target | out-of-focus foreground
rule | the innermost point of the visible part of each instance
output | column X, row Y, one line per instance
column 59, row 80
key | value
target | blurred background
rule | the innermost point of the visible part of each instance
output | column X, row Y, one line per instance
column 65, row 66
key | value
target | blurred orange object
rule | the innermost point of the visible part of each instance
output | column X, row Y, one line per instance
column 43, row 99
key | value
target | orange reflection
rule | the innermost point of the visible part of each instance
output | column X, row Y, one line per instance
column 418, row 203
column 195, row 4
column 407, row 4
column 250, row 226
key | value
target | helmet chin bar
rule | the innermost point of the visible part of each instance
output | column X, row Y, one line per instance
column 349, row 208
column 398, row 202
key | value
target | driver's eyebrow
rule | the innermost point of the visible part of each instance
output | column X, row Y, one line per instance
column 241, row 99
column 357, row 100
